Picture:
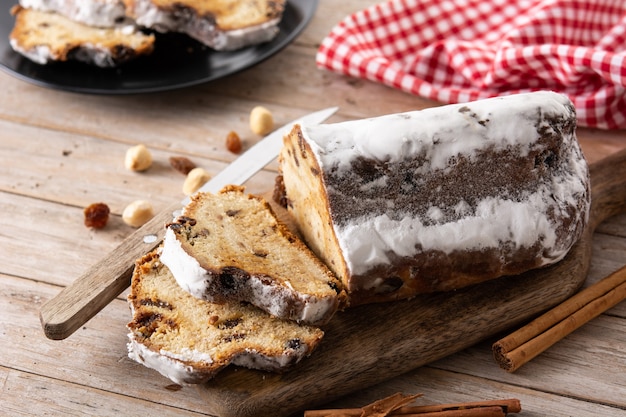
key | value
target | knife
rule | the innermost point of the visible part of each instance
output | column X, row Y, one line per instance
column 102, row 282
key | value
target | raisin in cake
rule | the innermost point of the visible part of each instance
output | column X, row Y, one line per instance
column 230, row 246
column 440, row 198
column 219, row 24
column 189, row 340
column 47, row 36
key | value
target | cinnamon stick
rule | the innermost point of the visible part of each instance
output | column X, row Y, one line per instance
column 491, row 408
column 384, row 407
column 470, row 412
column 518, row 348
column 511, row 405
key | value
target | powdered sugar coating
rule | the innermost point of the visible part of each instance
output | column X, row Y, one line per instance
column 441, row 132
column 274, row 299
column 147, row 14
column 252, row 359
column 100, row 13
column 175, row 365
column 440, row 136
column 41, row 54
column 185, row 269
column 165, row 363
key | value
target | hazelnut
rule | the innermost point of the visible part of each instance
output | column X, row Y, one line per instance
column 137, row 213
column 138, row 158
column 261, row 120
column 196, row 178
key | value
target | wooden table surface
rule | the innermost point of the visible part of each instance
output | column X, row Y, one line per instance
column 60, row 152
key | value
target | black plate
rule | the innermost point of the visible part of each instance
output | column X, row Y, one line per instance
column 177, row 61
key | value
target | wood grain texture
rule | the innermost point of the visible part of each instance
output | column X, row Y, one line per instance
column 48, row 397
column 94, row 357
column 566, row 364
column 103, row 281
column 436, row 384
column 44, row 245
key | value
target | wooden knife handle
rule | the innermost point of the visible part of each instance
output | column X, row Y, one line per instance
column 101, row 283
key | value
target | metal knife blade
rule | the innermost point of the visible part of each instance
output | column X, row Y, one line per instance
column 102, row 282
column 259, row 155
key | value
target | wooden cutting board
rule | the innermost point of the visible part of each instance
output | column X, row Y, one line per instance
column 368, row 344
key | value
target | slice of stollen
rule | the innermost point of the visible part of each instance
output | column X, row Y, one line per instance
column 47, row 36
column 189, row 340
column 230, row 246
column 223, row 25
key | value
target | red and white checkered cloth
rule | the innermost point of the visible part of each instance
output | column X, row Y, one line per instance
column 456, row 51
